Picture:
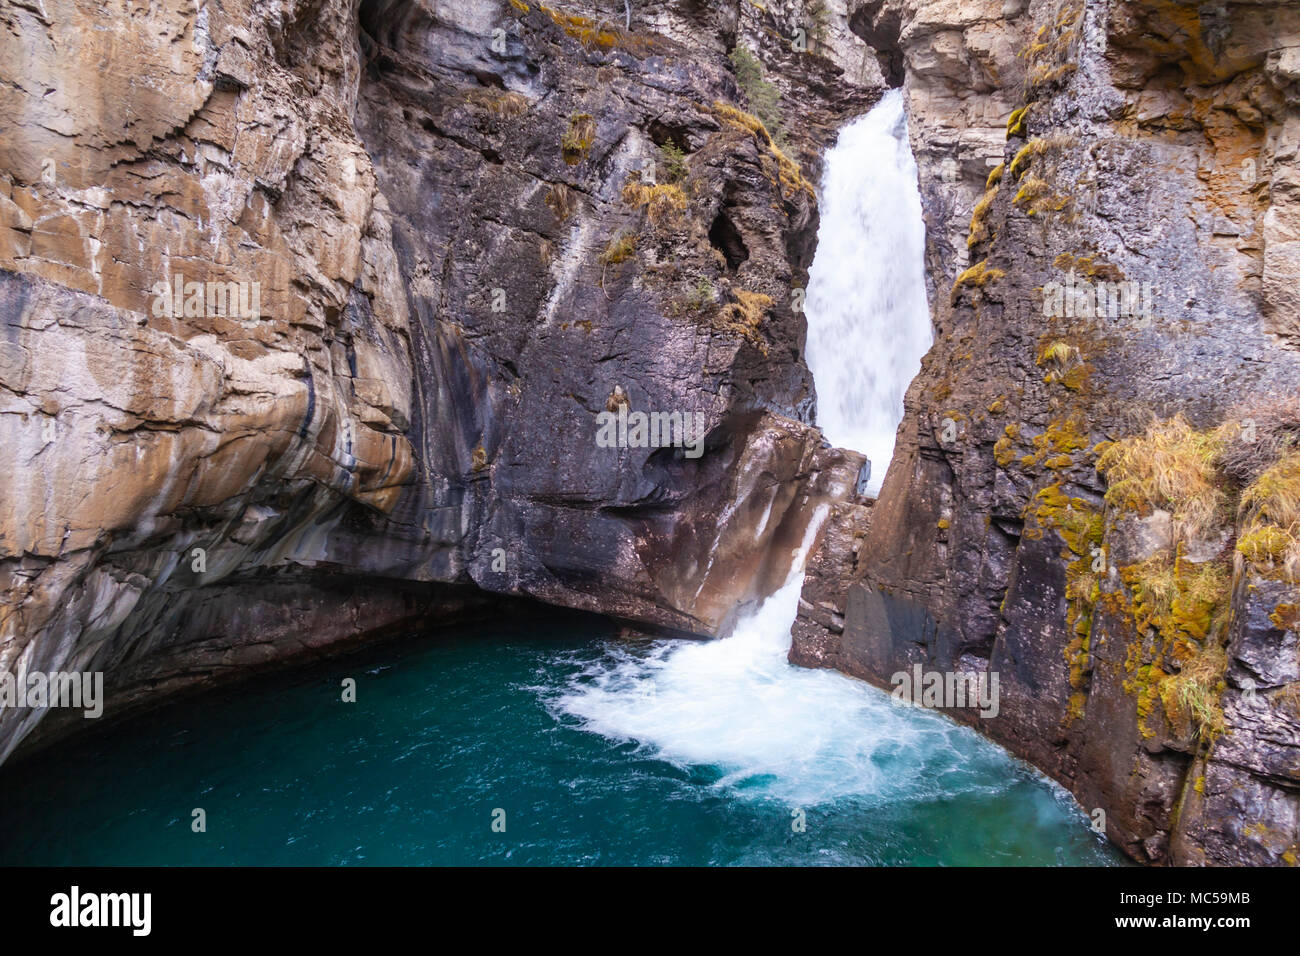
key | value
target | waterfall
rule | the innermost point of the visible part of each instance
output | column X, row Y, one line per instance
column 771, row 728
column 868, row 318
column 736, row 709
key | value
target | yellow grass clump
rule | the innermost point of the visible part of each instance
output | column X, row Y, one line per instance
column 1270, row 517
column 619, row 249
column 745, row 316
column 978, row 275
column 577, row 139
column 791, row 173
column 1169, row 466
column 662, row 202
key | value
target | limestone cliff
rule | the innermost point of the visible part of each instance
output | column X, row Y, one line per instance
column 468, row 229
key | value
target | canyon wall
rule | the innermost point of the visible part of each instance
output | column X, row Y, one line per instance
column 469, row 229
column 1094, row 489
column 473, row 227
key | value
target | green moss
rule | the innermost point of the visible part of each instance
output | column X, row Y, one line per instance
column 1285, row 617
column 1076, row 378
column 978, row 275
column 1036, row 196
column 1002, row 451
column 1265, row 544
column 1057, row 351
column 1178, row 661
column 1081, row 527
column 1026, row 155
column 979, row 230
column 1016, row 122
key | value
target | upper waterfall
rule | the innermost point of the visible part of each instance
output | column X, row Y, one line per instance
column 868, row 318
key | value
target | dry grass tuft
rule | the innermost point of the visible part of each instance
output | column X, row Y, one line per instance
column 1195, row 691
column 561, row 200
column 1170, row 466
column 745, row 316
column 508, row 105
column 1257, row 435
column 663, row 202
column 577, row 139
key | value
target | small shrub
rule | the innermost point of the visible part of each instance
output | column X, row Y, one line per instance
column 762, row 97
column 673, row 161
column 701, row 296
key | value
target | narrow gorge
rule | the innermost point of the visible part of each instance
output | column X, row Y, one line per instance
column 932, row 337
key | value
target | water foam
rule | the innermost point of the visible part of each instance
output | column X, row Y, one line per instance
column 770, row 729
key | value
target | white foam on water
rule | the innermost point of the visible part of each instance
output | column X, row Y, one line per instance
column 868, row 318
column 772, row 730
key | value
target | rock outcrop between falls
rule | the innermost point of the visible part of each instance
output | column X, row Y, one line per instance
column 1093, row 498
column 473, row 228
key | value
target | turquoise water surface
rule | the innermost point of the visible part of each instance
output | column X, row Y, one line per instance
column 598, row 750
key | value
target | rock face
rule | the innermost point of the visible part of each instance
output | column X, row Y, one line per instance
column 461, row 232
column 1078, row 500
